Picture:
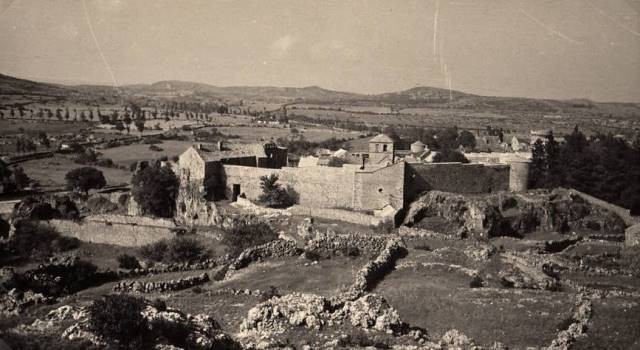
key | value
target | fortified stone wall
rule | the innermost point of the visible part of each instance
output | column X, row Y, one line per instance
column 321, row 187
column 455, row 177
column 380, row 187
column 126, row 233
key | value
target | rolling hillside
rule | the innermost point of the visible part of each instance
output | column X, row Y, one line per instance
column 415, row 97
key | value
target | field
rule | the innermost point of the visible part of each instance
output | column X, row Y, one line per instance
column 128, row 154
column 50, row 172
column 264, row 134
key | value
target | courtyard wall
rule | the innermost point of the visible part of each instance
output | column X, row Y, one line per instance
column 455, row 177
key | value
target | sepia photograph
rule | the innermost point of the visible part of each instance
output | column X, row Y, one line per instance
column 319, row 174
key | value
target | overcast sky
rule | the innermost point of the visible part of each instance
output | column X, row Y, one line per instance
column 533, row 48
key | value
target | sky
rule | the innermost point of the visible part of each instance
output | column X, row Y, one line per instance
column 532, row 48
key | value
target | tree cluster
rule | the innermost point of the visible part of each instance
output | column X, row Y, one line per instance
column 604, row 166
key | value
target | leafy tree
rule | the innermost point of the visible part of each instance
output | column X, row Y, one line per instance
column 119, row 126
column 449, row 155
column 119, row 318
column 247, row 231
column 155, row 189
column 66, row 114
column 139, row 125
column 44, row 139
column 466, row 139
column 273, row 194
column 85, row 178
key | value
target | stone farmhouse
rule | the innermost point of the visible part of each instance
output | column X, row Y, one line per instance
column 381, row 182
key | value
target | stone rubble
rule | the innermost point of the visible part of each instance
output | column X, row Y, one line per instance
column 160, row 286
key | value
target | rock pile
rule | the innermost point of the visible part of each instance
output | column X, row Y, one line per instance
column 313, row 311
column 14, row 302
column 161, row 286
column 578, row 328
column 203, row 331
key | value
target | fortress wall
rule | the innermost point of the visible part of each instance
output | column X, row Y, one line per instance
column 381, row 187
column 321, row 187
column 456, row 178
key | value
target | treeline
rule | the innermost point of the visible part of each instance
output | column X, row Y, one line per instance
column 603, row 166
column 300, row 146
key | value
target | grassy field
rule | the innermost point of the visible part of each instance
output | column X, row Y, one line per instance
column 50, row 172
column 262, row 134
column 33, row 127
column 126, row 155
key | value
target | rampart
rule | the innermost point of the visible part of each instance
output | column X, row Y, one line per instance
column 456, row 178
column 120, row 230
column 345, row 187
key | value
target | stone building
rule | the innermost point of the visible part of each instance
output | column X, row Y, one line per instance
column 381, row 182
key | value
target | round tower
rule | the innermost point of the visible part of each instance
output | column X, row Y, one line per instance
column 417, row 147
column 519, row 175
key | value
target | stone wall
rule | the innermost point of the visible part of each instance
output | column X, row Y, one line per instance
column 455, row 177
column 126, row 231
column 320, row 187
column 380, row 187
column 632, row 236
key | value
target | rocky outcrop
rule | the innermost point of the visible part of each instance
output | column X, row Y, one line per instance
column 203, row 331
column 160, row 286
column 312, row 311
column 193, row 209
column 504, row 213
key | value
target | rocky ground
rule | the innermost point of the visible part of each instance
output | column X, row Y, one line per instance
column 448, row 278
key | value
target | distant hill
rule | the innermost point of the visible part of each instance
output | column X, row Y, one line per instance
column 415, row 97
column 11, row 86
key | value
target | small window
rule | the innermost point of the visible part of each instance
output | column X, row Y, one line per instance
column 384, row 148
column 380, row 190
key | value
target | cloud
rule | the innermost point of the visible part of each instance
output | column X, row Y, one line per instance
column 281, row 47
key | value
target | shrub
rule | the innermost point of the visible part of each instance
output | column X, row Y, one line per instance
column 118, row 318
column 126, row 261
column 101, row 205
column 247, row 231
column 271, row 292
column 66, row 208
column 184, row 249
column 273, row 194
column 106, row 162
column 179, row 249
column 350, row 251
column 476, row 282
column 154, row 251
column 361, row 339
column 37, row 240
